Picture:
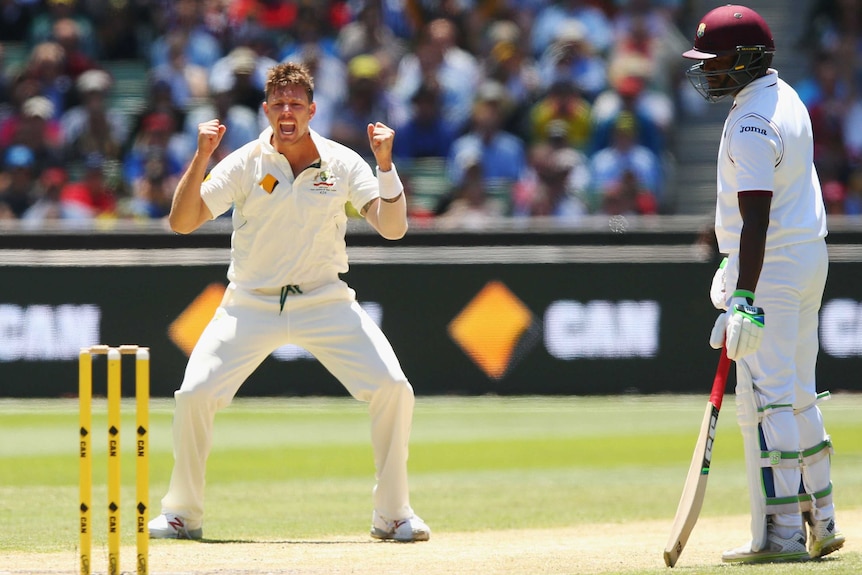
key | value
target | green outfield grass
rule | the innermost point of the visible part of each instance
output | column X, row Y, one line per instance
column 302, row 468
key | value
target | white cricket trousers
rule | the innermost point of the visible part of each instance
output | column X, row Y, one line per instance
column 781, row 373
column 328, row 323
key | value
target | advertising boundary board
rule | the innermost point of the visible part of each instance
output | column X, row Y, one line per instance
column 530, row 319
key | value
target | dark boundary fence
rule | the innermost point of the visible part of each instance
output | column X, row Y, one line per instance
column 510, row 312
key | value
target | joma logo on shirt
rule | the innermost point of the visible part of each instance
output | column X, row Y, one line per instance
column 744, row 129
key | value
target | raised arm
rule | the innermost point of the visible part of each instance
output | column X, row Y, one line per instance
column 188, row 210
column 387, row 214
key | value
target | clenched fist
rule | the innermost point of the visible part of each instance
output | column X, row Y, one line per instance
column 210, row 134
column 381, row 138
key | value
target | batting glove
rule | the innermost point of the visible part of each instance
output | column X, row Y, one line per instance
column 717, row 291
column 740, row 328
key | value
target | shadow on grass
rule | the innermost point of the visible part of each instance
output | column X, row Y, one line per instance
column 283, row 542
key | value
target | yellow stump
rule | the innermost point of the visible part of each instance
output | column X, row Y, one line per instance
column 114, row 474
column 85, row 397
column 142, row 422
column 142, row 408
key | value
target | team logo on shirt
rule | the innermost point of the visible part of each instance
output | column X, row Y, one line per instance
column 268, row 183
column 743, row 129
column 323, row 179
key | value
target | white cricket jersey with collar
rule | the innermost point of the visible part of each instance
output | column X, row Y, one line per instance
column 767, row 145
column 288, row 231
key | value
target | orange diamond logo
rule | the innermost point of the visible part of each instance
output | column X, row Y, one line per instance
column 188, row 327
column 495, row 329
column 268, row 183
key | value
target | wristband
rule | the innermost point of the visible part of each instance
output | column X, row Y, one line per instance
column 389, row 184
column 392, row 200
column 749, row 295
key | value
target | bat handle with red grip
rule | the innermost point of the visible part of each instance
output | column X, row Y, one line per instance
column 720, row 381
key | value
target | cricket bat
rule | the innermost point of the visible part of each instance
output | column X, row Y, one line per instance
column 698, row 472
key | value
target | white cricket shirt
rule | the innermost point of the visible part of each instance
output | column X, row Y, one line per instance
column 286, row 230
column 767, row 144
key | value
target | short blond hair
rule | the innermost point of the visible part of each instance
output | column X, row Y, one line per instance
column 289, row 74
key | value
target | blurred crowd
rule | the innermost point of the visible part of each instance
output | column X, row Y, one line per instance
column 832, row 92
column 520, row 108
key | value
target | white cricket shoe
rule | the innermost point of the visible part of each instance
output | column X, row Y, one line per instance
column 777, row 549
column 172, row 526
column 825, row 538
column 403, row 530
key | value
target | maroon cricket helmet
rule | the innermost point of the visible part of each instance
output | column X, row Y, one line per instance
column 727, row 29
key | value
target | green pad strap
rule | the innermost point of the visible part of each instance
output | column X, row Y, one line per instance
column 825, row 444
column 776, row 458
column 801, row 502
column 791, row 459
